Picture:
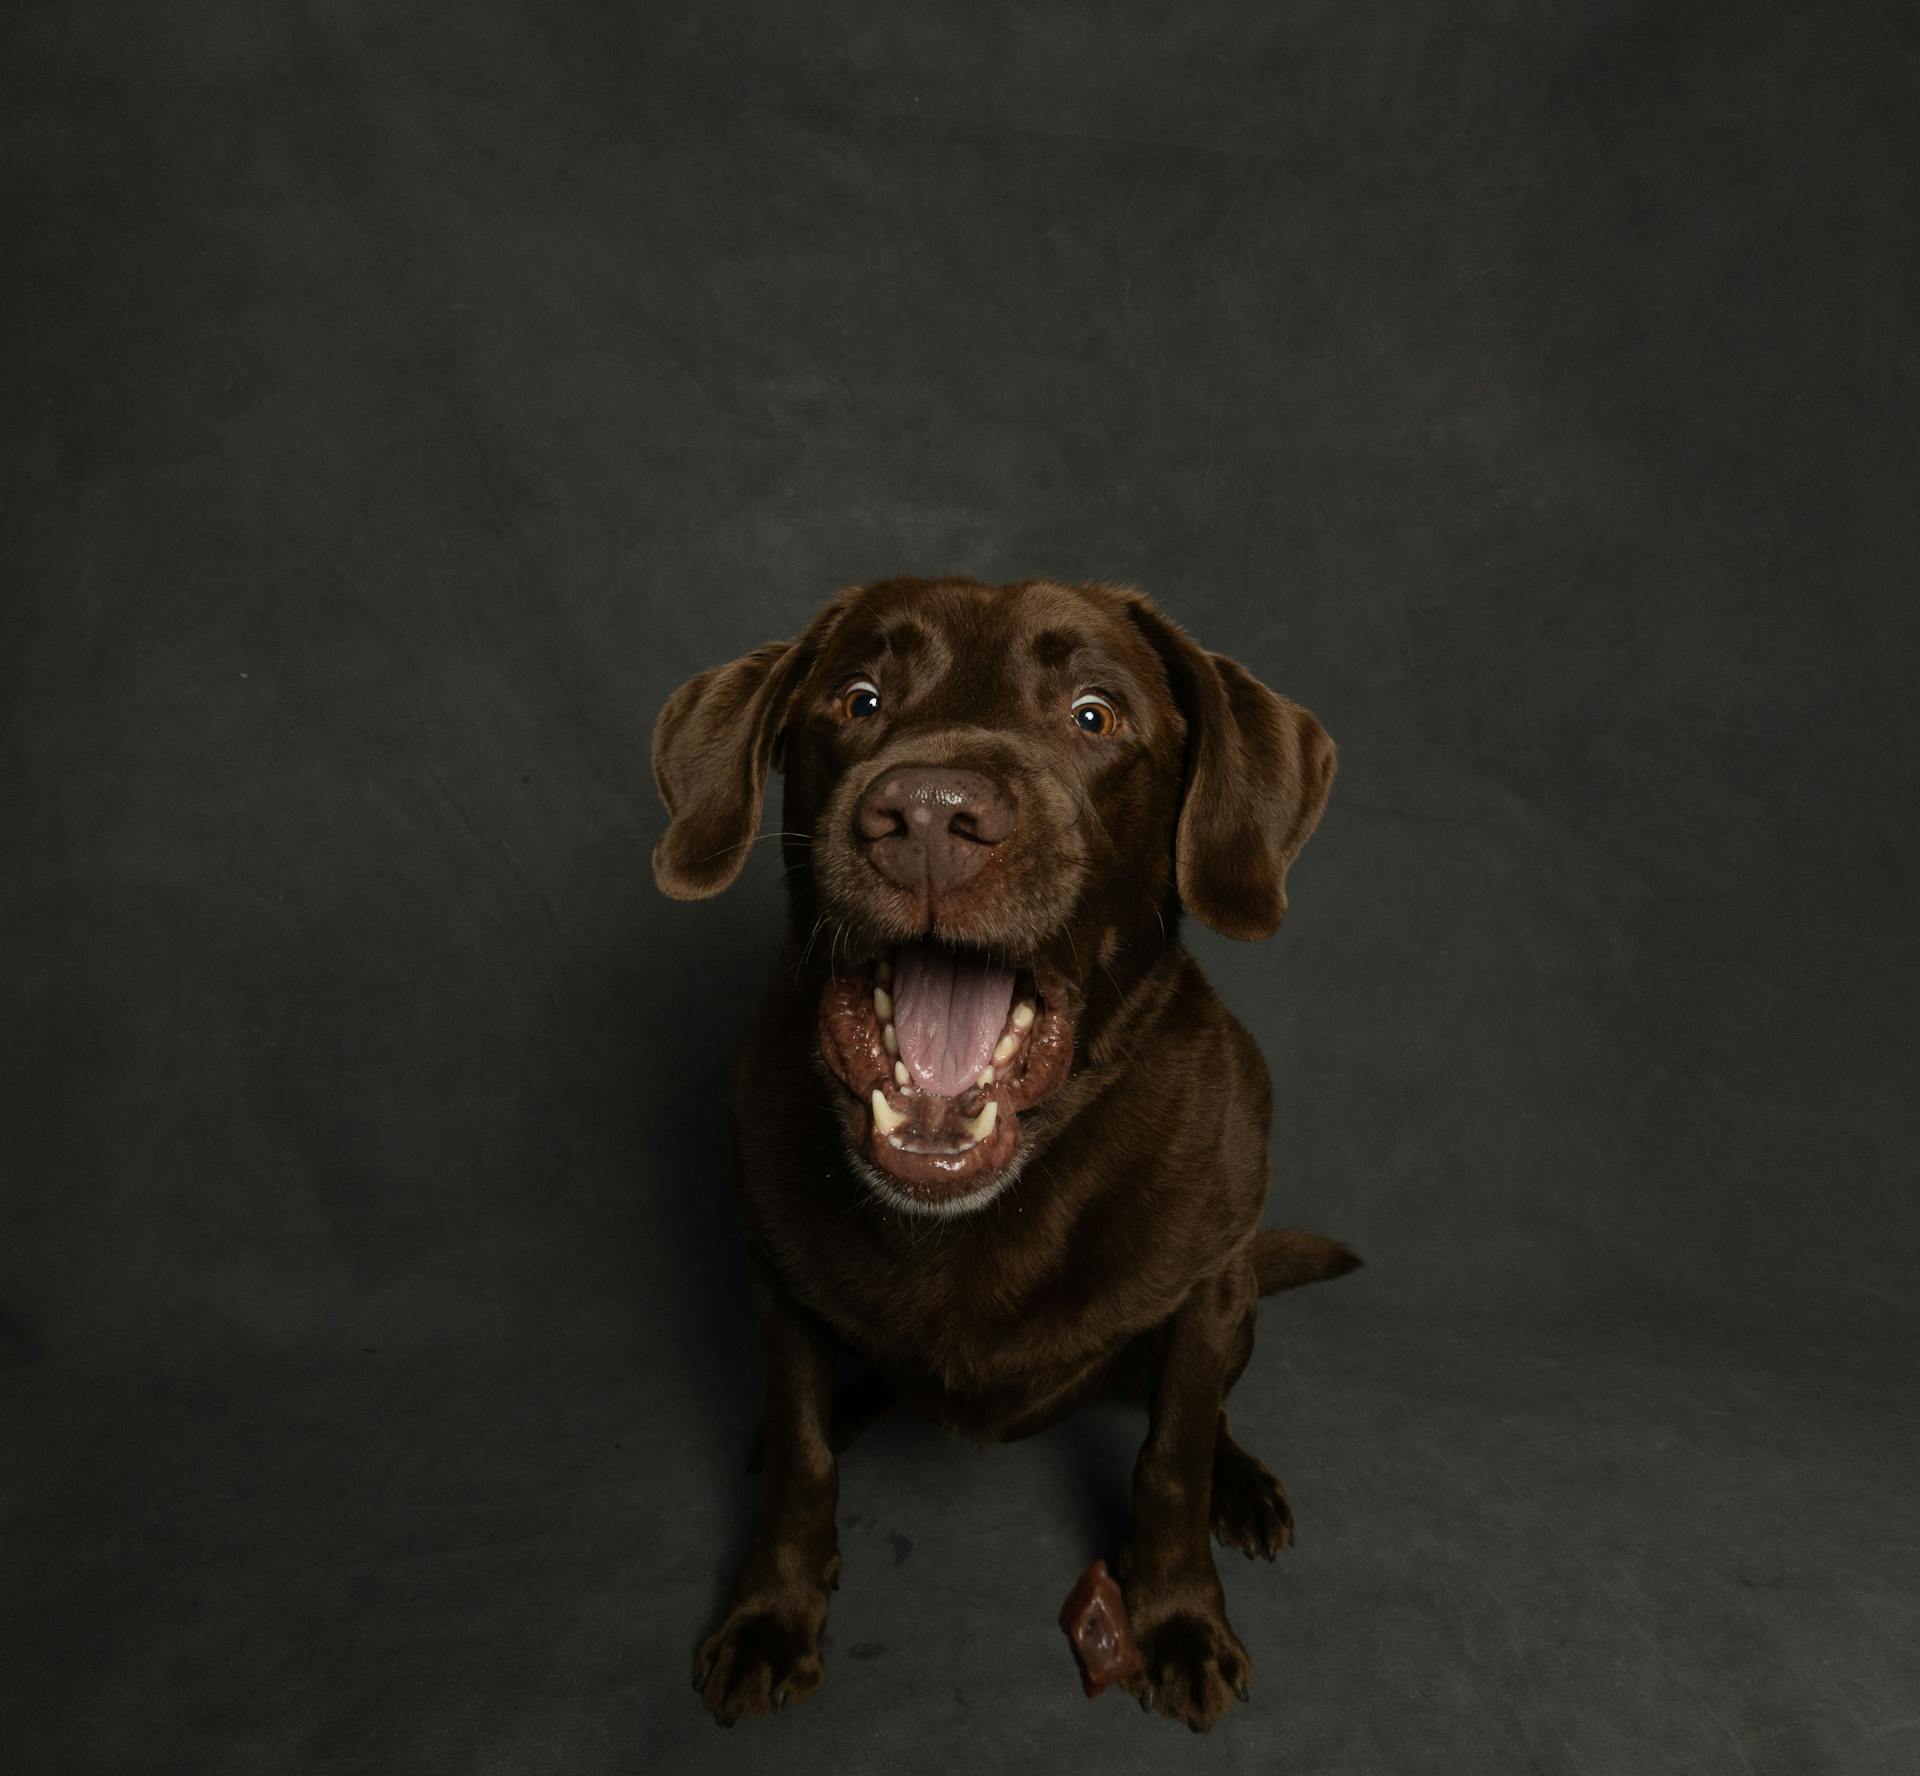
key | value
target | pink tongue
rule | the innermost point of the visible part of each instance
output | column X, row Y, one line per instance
column 948, row 1012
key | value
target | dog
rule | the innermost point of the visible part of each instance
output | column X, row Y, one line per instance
column 991, row 1130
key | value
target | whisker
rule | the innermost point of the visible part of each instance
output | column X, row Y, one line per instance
column 748, row 844
column 808, row 951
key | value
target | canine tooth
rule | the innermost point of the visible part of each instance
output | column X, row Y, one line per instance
column 885, row 1118
column 883, row 972
column 900, row 1072
column 892, row 1041
column 982, row 1125
column 1003, row 1048
column 1022, row 1015
column 882, row 1004
column 986, row 1076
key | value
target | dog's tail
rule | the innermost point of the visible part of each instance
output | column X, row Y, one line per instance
column 1286, row 1257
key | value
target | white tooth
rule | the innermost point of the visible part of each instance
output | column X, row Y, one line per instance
column 982, row 1125
column 1022, row 1015
column 885, row 1118
column 986, row 1076
column 900, row 1072
column 892, row 1041
column 883, row 972
column 882, row 1003
column 1003, row 1048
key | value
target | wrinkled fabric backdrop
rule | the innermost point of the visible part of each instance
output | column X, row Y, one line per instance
column 402, row 399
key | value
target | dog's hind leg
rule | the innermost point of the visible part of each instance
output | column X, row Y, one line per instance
column 1249, row 1508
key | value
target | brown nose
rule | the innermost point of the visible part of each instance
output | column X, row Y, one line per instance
column 932, row 826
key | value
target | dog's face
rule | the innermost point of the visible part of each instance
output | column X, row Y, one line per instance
column 998, row 800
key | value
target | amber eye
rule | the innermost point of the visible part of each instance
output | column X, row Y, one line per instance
column 1094, row 715
column 860, row 700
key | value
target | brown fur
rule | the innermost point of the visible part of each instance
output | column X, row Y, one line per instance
column 1126, row 1247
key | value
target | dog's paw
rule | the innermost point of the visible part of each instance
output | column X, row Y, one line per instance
column 1192, row 1666
column 763, row 1656
column 1250, row 1509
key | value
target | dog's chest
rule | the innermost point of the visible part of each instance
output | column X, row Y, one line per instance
column 986, row 1343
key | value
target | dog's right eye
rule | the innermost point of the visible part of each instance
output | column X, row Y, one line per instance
column 860, row 700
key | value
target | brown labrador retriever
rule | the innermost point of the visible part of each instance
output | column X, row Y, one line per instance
column 991, row 1128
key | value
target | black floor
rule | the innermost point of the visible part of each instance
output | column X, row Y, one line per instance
column 400, row 399
column 1523, row 1545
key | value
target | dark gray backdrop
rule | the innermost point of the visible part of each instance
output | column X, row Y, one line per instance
column 401, row 400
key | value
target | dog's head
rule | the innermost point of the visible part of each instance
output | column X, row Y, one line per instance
column 998, row 800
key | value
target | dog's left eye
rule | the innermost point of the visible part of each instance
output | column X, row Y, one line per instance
column 1094, row 715
column 860, row 700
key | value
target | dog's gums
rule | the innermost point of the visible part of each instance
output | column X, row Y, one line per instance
column 939, row 1049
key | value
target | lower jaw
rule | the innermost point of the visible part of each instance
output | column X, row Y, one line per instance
column 950, row 1206
column 920, row 1152
column 935, row 1175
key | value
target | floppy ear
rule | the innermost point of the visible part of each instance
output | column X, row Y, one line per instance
column 712, row 747
column 1258, row 771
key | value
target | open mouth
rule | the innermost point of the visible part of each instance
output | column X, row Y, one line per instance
column 943, row 1046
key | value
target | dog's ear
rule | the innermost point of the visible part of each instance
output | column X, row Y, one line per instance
column 713, row 745
column 1258, row 771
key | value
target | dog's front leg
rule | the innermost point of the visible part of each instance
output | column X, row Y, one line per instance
column 766, row 1653
column 1192, row 1662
